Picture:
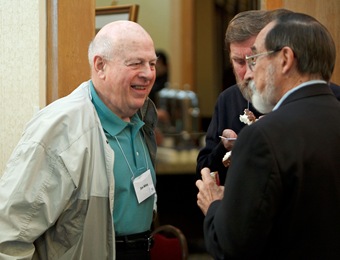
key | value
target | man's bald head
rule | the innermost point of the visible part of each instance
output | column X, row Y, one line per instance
column 114, row 37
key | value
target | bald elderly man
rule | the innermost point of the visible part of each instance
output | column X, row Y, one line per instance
column 80, row 184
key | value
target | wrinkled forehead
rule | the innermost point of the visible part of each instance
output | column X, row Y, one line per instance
column 135, row 49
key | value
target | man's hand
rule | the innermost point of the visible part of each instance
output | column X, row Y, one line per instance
column 251, row 116
column 208, row 192
column 228, row 144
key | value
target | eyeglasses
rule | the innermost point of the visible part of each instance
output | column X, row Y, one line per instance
column 251, row 60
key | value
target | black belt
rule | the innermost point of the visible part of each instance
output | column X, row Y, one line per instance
column 140, row 241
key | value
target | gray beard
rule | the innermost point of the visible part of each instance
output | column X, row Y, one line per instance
column 260, row 102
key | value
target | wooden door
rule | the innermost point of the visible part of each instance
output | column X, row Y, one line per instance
column 70, row 28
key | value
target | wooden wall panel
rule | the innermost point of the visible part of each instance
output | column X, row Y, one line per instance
column 271, row 4
column 187, row 36
column 70, row 28
column 182, row 44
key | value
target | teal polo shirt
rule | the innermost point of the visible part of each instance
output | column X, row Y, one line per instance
column 132, row 159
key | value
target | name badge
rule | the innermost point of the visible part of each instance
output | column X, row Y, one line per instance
column 144, row 187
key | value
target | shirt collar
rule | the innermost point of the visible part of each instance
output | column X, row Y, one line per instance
column 110, row 121
column 304, row 84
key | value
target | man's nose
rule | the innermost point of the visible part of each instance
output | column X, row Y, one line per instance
column 147, row 71
column 249, row 73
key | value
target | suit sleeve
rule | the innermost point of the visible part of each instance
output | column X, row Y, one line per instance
column 240, row 224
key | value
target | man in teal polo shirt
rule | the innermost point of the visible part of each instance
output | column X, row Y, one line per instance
column 133, row 160
column 81, row 181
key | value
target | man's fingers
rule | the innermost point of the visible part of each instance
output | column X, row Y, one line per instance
column 205, row 172
column 199, row 184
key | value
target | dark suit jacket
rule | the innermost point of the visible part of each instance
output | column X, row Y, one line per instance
column 282, row 193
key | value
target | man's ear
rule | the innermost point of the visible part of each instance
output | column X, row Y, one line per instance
column 288, row 59
column 99, row 65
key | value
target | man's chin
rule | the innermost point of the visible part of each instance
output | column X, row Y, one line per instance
column 245, row 90
column 247, row 95
column 260, row 105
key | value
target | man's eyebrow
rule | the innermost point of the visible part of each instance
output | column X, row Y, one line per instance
column 133, row 59
column 236, row 57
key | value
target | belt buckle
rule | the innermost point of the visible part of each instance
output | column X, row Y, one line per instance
column 150, row 243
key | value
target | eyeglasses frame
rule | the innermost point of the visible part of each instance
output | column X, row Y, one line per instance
column 252, row 62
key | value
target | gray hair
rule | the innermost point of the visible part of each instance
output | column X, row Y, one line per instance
column 101, row 45
column 311, row 42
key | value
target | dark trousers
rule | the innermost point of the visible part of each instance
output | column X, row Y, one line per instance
column 133, row 255
column 135, row 246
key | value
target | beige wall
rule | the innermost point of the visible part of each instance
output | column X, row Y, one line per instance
column 23, row 68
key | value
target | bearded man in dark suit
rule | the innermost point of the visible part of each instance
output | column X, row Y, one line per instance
column 281, row 198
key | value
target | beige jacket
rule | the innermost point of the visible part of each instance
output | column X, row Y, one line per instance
column 57, row 191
